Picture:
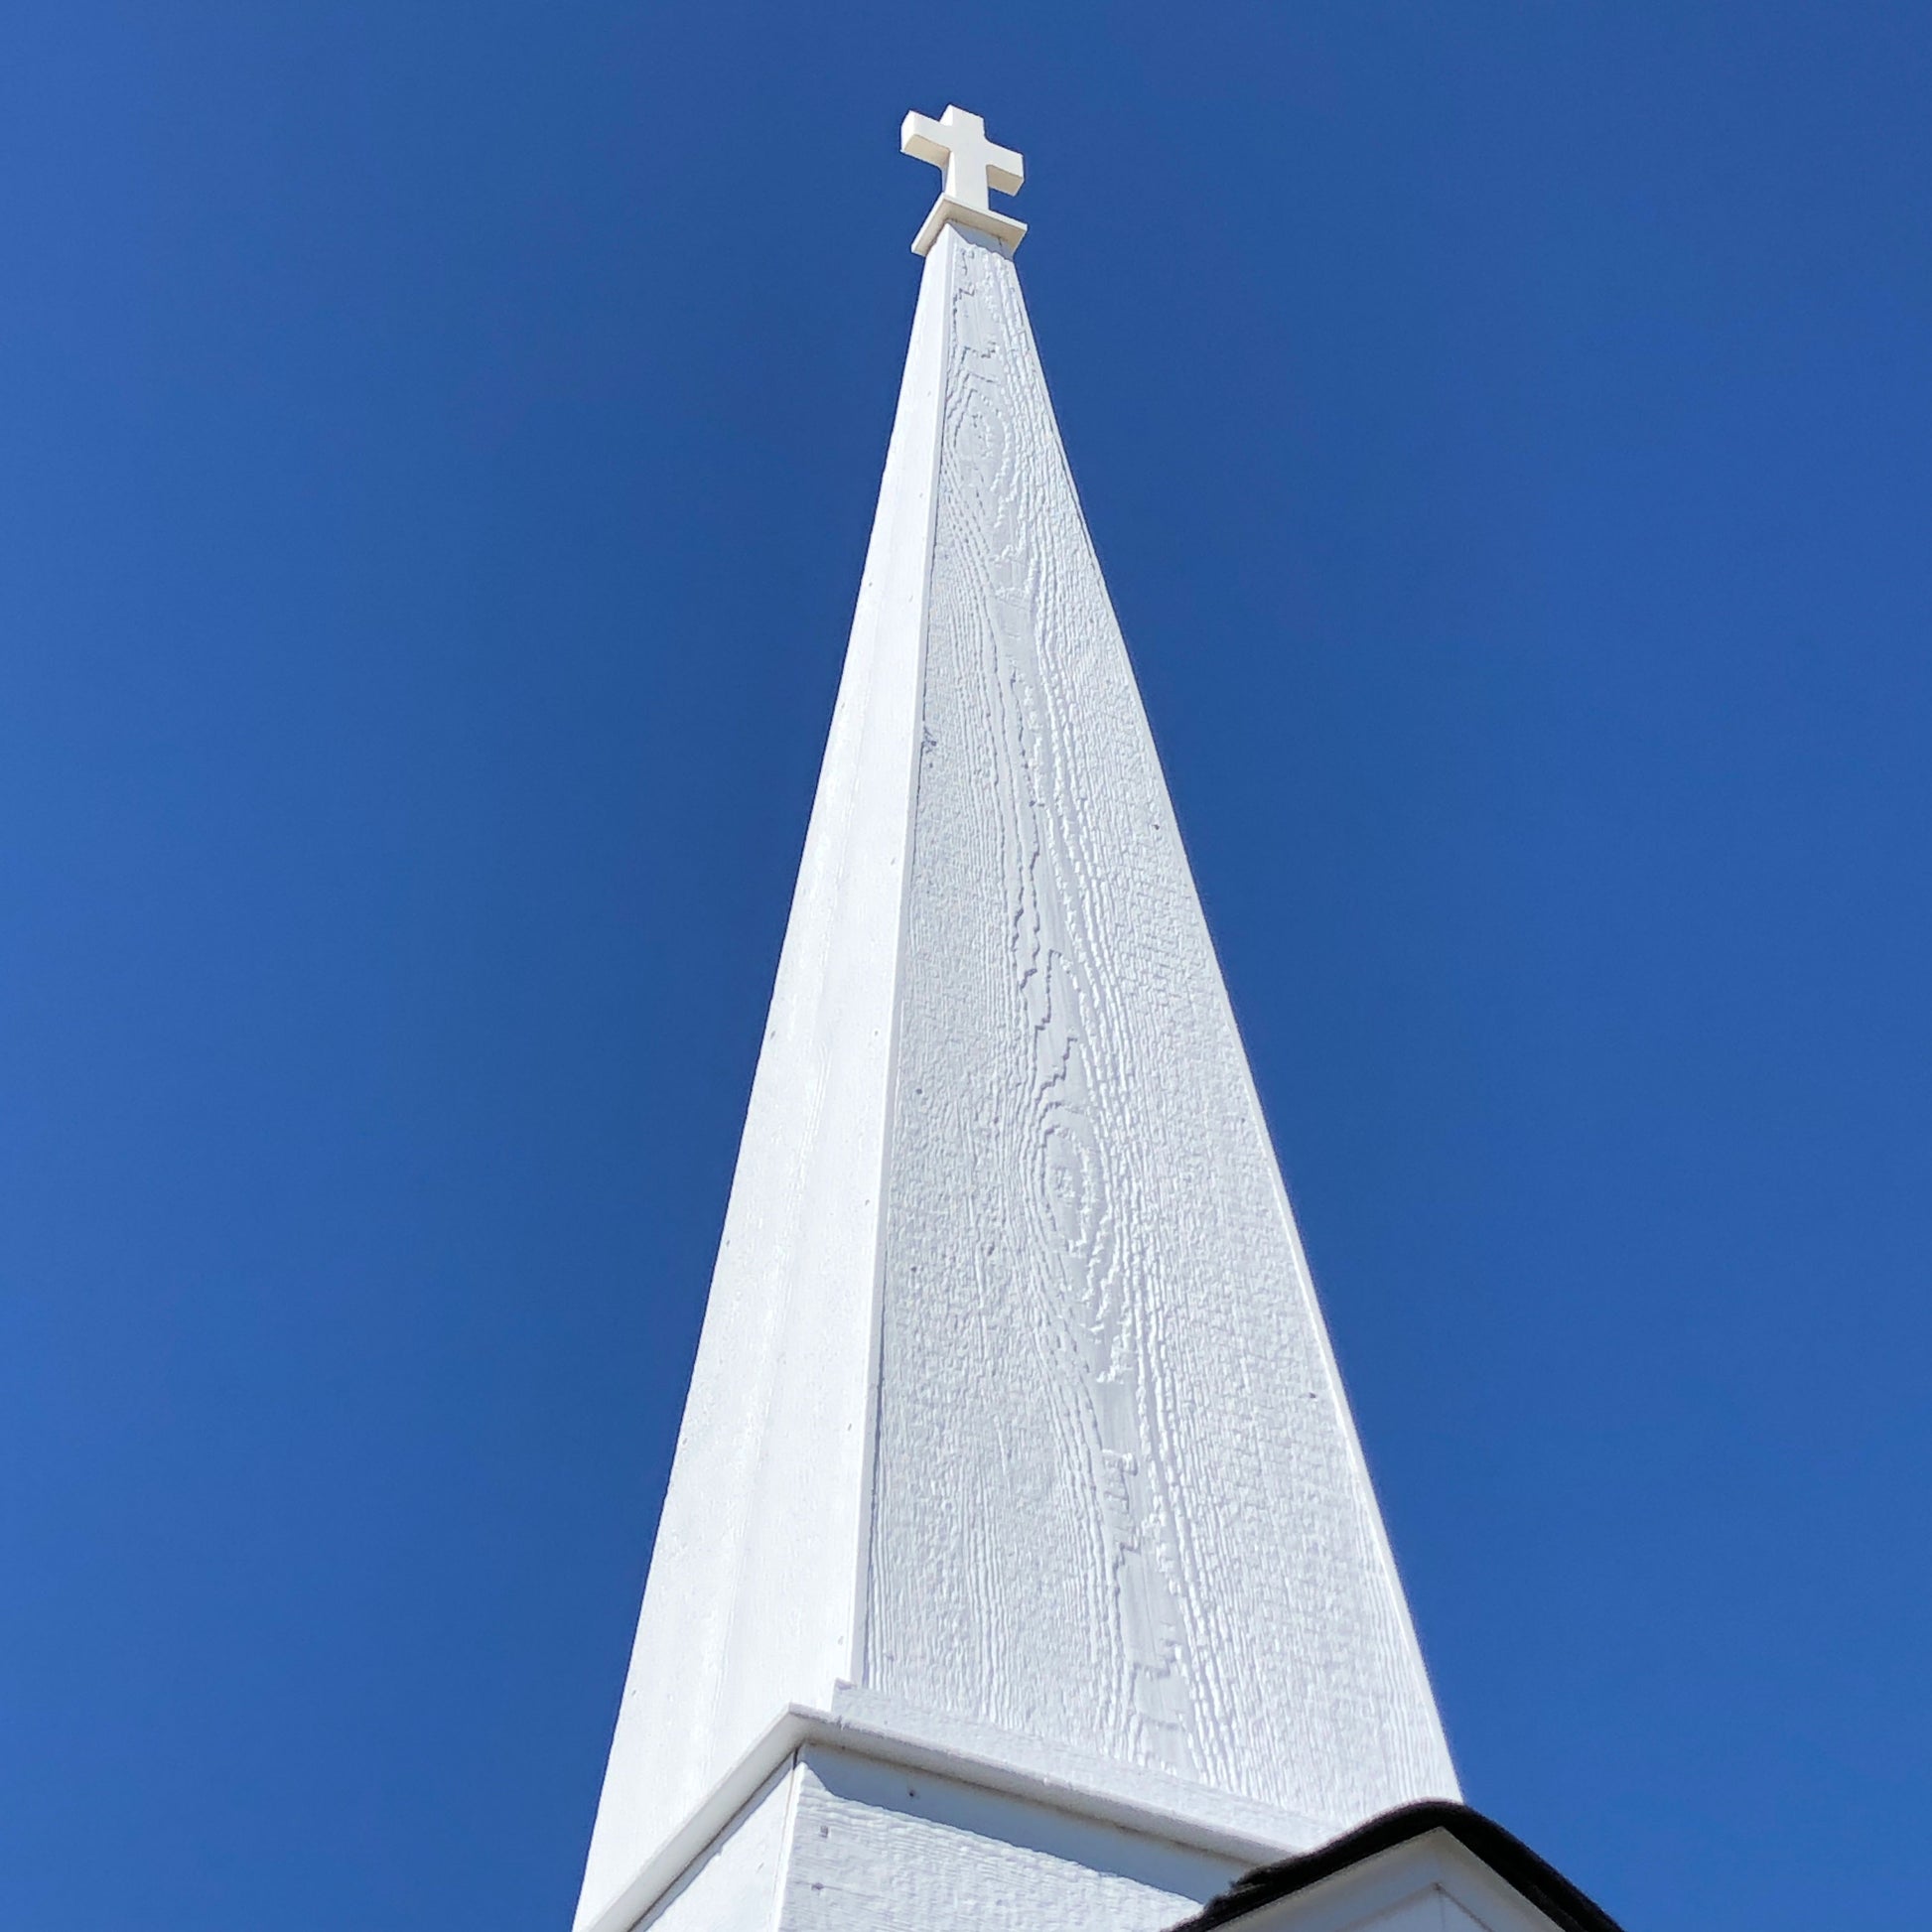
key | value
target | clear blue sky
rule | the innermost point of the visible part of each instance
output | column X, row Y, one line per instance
column 439, row 444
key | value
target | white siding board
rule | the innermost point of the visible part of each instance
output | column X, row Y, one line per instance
column 753, row 1596
column 734, row 1887
column 1118, row 1502
column 874, row 1851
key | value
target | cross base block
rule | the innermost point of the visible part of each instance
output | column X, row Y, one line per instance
column 1001, row 227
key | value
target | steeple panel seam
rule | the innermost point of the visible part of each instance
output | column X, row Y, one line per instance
column 947, row 249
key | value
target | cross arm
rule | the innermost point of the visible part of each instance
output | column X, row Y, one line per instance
column 1006, row 169
column 920, row 136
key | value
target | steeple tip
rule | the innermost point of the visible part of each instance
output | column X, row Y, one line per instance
column 956, row 143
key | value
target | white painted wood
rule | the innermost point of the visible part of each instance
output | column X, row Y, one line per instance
column 734, row 1887
column 1118, row 1500
column 1014, row 1420
column 956, row 143
column 839, row 1841
column 752, row 1598
column 1425, row 1913
column 1430, row 1884
column 1228, row 1831
column 1422, row 1913
column 877, row 1852
column 1139, row 1795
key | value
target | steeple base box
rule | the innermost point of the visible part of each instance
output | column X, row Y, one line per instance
column 854, row 1829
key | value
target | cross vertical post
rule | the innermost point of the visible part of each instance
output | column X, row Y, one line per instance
column 956, row 143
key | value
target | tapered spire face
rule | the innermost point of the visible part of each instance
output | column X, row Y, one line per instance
column 1015, row 1440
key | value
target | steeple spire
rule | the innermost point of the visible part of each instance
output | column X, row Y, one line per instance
column 1016, row 1505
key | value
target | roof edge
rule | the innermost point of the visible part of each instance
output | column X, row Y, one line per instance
column 1502, row 1852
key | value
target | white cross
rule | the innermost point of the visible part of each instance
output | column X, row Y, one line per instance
column 957, row 142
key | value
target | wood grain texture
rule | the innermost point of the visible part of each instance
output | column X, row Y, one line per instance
column 874, row 1853
column 1014, row 1408
column 1117, row 1499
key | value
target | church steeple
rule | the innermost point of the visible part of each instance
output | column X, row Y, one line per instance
column 1015, row 1470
